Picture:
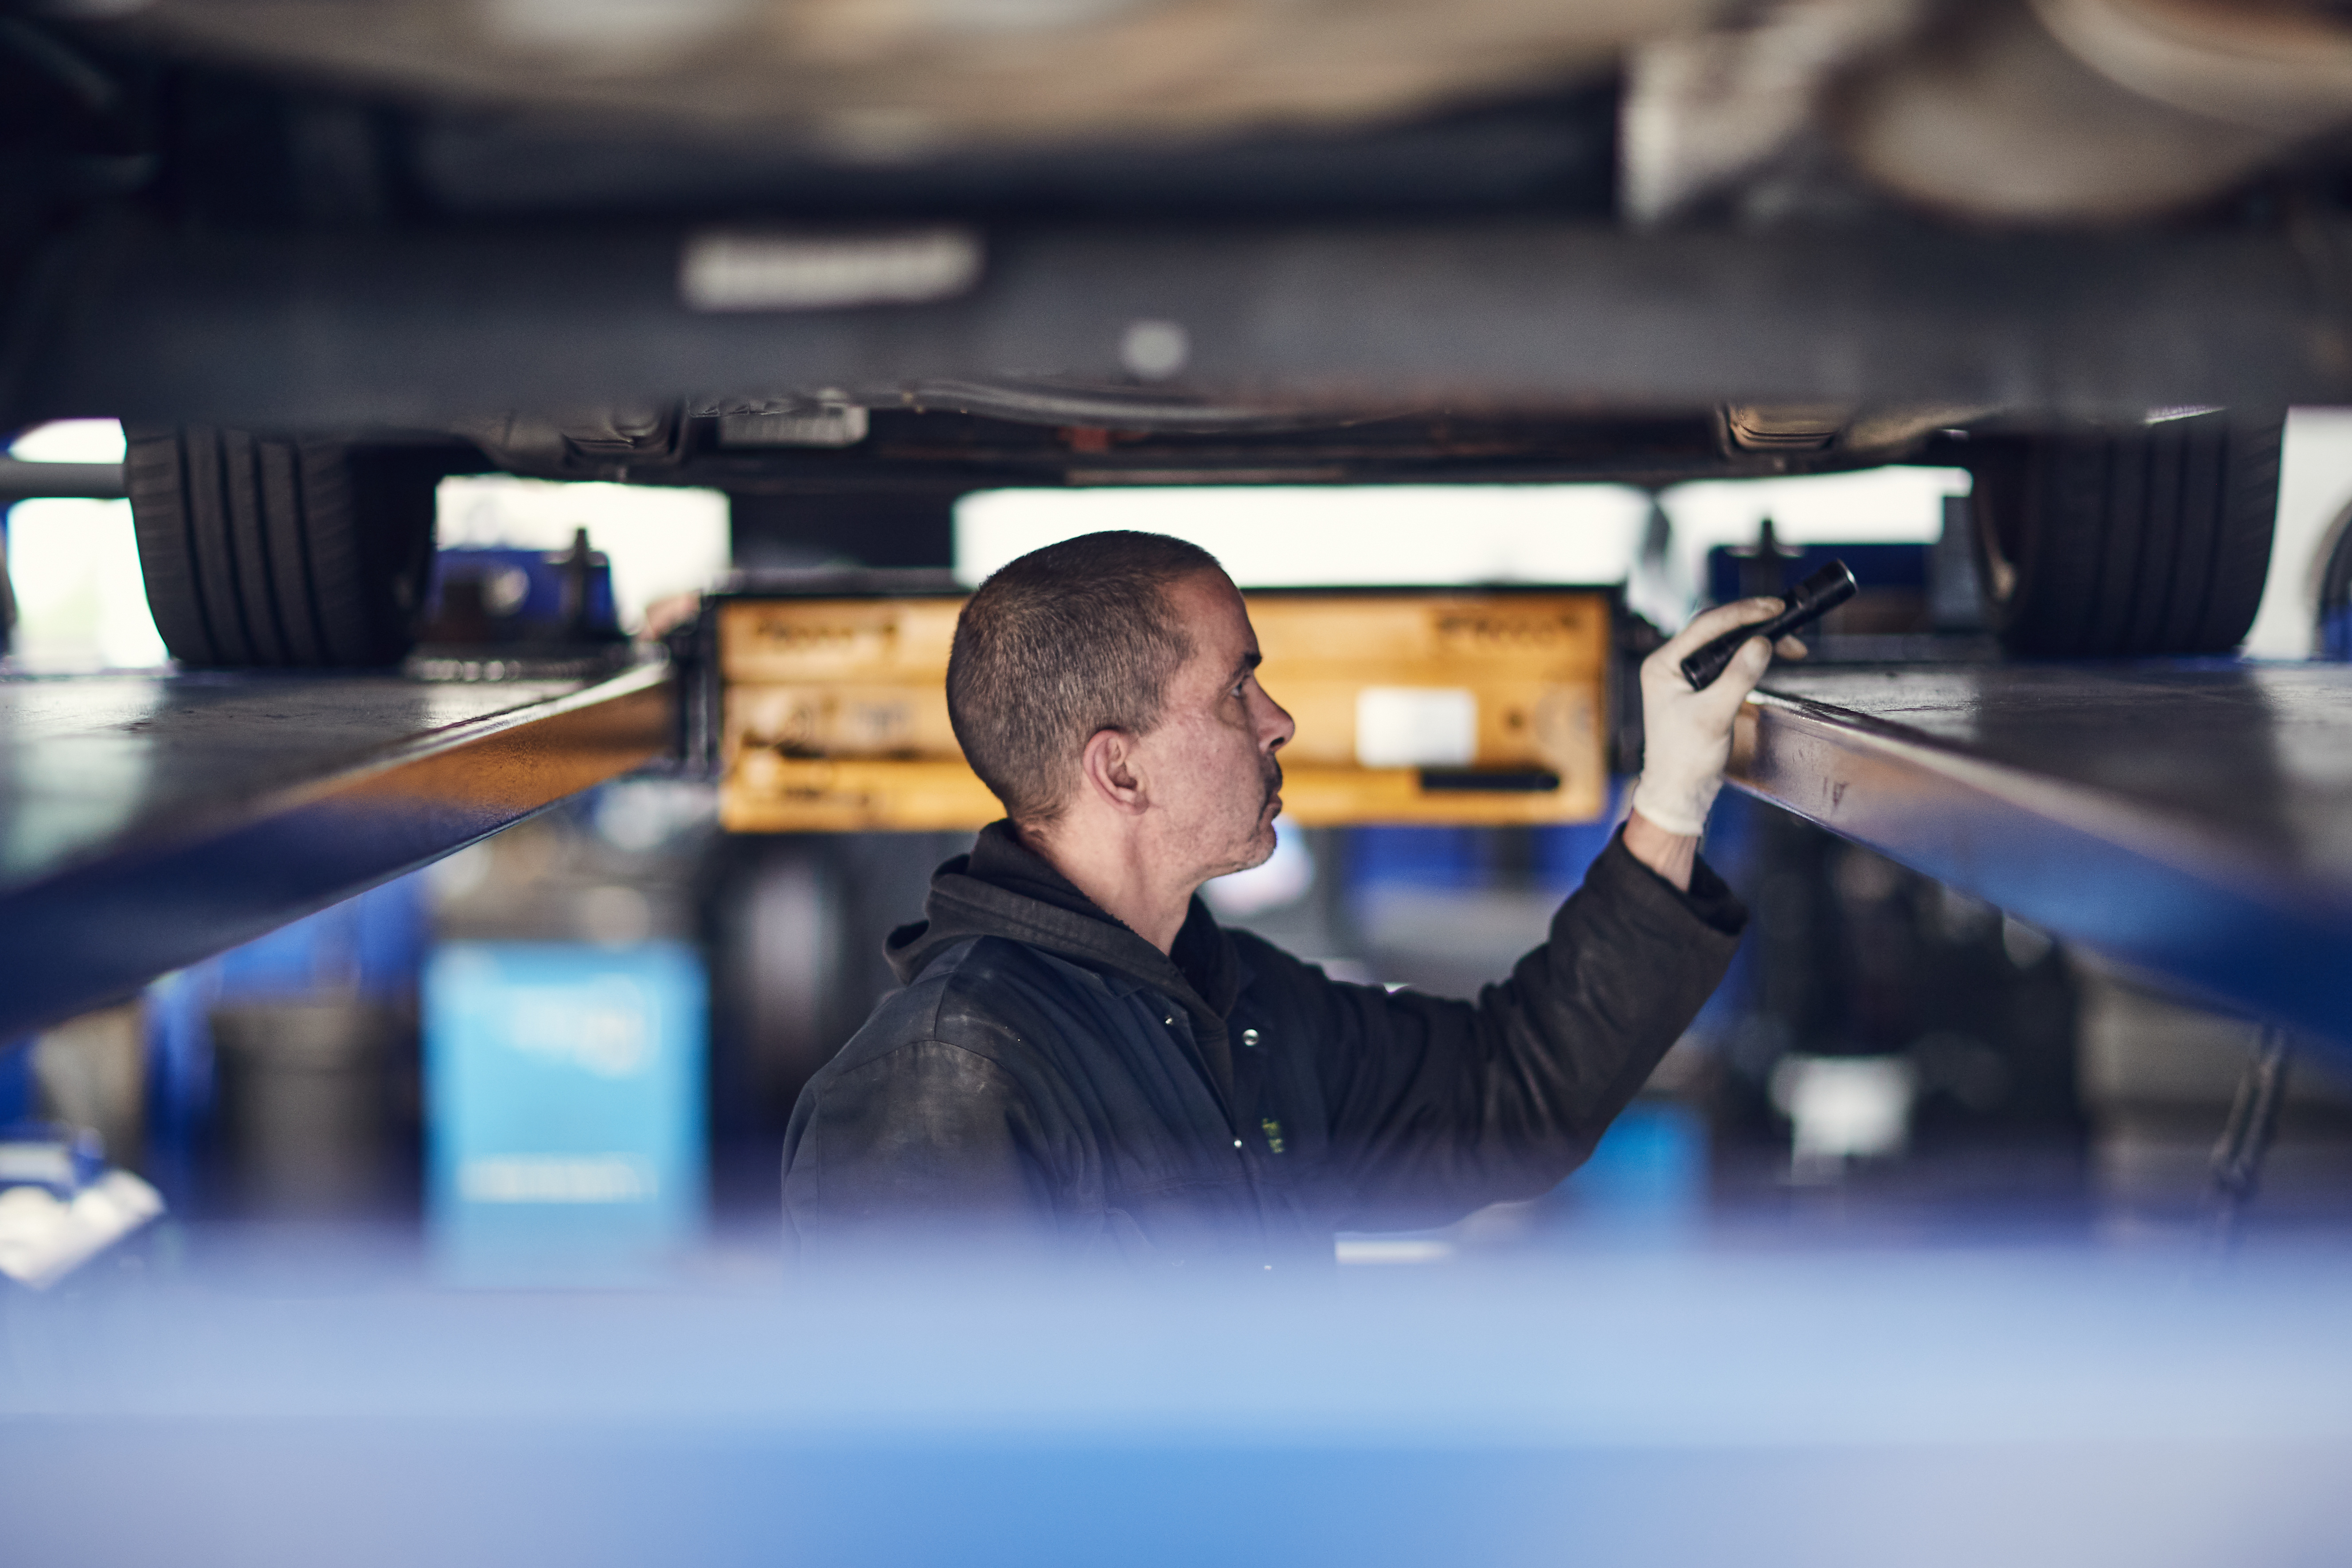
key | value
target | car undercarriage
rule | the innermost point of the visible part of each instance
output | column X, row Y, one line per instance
column 2089, row 249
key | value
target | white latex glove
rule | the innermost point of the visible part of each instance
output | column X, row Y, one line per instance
column 1686, row 734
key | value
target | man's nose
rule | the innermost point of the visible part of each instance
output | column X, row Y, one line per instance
column 1275, row 725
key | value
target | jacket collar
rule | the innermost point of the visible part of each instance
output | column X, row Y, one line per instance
column 1004, row 889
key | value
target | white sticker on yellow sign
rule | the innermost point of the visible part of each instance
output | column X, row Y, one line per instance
column 1416, row 727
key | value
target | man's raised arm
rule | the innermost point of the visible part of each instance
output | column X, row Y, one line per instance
column 1438, row 1107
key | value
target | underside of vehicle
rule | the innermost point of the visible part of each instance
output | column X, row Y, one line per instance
column 849, row 262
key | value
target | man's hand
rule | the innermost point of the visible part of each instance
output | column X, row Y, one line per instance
column 1687, row 736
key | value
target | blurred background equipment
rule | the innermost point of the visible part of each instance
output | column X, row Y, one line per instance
column 282, row 1074
column 565, row 1095
column 60, row 1204
column 550, row 612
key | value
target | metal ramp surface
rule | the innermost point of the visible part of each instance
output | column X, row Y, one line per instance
column 2192, row 820
column 148, row 820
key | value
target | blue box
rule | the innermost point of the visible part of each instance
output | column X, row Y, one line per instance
column 564, row 1116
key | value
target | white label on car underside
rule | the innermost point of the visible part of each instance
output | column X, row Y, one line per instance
column 736, row 270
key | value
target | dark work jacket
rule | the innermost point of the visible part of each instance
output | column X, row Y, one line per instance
column 1048, row 1084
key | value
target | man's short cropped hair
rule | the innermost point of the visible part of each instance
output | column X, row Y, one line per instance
column 1067, row 641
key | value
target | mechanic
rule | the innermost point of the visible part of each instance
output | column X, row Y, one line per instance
column 1082, row 1064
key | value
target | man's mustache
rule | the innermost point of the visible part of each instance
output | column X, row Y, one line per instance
column 1273, row 779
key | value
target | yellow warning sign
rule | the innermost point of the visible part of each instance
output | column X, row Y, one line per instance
column 1429, row 707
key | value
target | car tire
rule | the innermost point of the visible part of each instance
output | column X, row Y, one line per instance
column 281, row 552
column 2149, row 539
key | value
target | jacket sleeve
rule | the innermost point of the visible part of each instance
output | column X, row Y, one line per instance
column 1438, row 1107
column 928, row 1145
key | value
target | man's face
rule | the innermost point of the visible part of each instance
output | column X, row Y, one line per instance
column 1210, row 759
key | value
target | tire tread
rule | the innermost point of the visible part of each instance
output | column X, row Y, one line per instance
column 2138, row 541
column 276, row 552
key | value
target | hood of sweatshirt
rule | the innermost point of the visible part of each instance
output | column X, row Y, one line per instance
column 1004, row 889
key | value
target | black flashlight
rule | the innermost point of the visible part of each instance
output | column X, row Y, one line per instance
column 1808, row 602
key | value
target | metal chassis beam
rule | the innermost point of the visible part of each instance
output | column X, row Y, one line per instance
column 410, row 327
column 96, row 929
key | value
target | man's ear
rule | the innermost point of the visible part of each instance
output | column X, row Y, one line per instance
column 1107, row 767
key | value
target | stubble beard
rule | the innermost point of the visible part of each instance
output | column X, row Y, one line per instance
column 1262, row 836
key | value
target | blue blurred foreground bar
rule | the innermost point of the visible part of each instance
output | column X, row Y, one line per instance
column 1822, row 1408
